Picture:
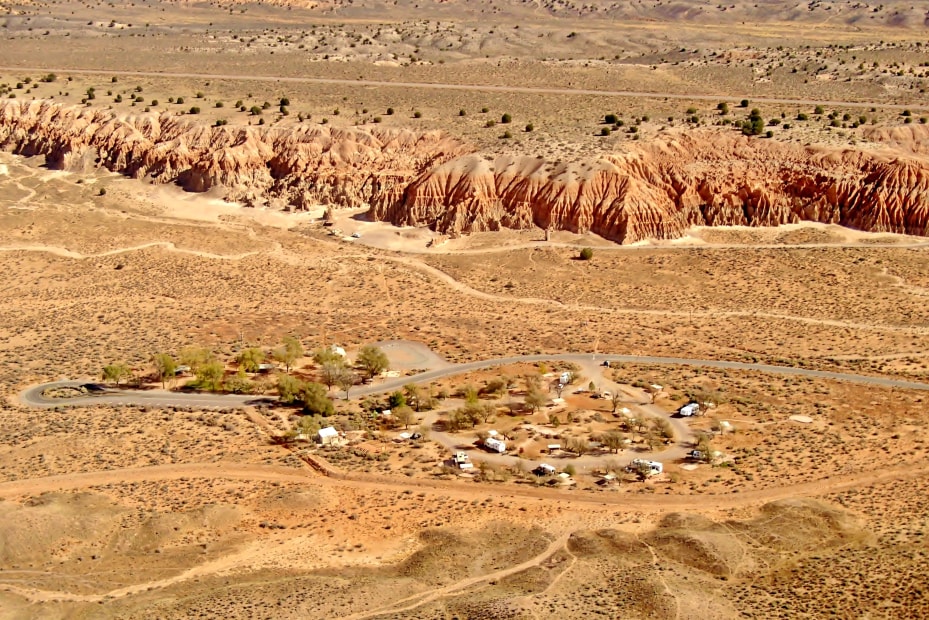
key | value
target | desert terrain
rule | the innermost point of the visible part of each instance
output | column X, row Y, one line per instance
column 560, row 222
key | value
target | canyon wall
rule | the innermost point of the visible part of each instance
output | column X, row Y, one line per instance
column 659, row 189
column 653, row 189
column 296, row 167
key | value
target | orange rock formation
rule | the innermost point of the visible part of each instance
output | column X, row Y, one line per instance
column 652, row 190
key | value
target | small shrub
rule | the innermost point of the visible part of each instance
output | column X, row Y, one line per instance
column 586, row 254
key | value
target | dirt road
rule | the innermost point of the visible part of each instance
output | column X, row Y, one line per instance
column 470, row 87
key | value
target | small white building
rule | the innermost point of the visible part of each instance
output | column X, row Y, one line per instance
column 327, row 435
column 689, row 410
column 495, row 444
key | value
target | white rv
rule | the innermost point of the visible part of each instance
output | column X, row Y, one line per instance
column 494, row 444
column 690, row 410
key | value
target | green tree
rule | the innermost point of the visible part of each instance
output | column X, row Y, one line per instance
column 210, row 375
column 586, row 254
column 326, row 355
column 613, row 441
column 307, row 426
column 396, row 399
column 315, row 400
column 535, row 398
column 239, row 383
column 412, row 393
column 289, row 352
column 754, row 125
column 404, row 415
column 195, row 357
column 331, row 370
column 288, row 388
column 250, row 359
column 372, row 361
column 347, row 380
column 116, row 372
column 165, row 367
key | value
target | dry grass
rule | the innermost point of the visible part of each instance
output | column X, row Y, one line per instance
column 293, row 544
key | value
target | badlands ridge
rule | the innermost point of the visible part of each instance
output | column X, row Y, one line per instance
column 650, row 189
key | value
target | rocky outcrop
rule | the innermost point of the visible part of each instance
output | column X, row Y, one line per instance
column 297, row 166
column 658, row 190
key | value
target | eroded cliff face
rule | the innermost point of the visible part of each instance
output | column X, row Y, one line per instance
column 659, row 189
column 297, row 167
column 653, row 190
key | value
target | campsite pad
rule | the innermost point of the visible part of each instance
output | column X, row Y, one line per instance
column 803, row 419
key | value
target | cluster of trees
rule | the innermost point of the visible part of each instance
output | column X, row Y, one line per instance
column 210, row 372
column 472, row 413
column 314, row 397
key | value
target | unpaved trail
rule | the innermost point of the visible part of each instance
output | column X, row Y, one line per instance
column 467, row 491
column 83, row 480
column 633, row 501
column 167, row 245
column 417, row 600
column 530, row 90
column 255, row 549
column 278, row 252
column 465, row 289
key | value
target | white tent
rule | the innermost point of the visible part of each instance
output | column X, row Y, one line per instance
column 326, row 435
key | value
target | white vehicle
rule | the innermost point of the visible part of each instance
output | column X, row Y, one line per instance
column 654, row 467
column 689, row 410
column 495, row 444
column 356, row 235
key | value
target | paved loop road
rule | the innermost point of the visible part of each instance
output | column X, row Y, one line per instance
column 33, row 397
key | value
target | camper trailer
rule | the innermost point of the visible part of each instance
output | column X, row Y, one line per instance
column 690, row 410
column 495, row 445
column 654, row 467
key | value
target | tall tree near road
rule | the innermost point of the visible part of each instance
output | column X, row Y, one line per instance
column 372, row 361
column 195, row 357
column 330, row 372
column 250, row 359
column 315, row 400
column 412, row 392
column 116, row 372
column 210, row 375
column 346, row 380
column 289, row 352
column 165, row 367
column 288, row 388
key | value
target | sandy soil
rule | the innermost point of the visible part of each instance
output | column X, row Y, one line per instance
column 132, row 512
